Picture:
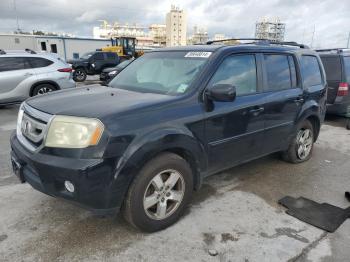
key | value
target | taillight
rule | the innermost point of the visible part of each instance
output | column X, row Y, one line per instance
column 343, row 89
column 65, row 70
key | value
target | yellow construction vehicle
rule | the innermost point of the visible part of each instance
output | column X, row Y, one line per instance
column 125, row 47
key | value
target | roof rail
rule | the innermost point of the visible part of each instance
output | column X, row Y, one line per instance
column 2, row 52
column 290, row 43
column 259, row 41
column 235, row 39
column 30, row 51
column 338, row 50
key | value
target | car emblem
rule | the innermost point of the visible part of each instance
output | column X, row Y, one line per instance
column 26, row 127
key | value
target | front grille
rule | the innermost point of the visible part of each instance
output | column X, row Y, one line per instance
column 32, row 126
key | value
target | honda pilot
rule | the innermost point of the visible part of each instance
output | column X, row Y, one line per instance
column 171, row 118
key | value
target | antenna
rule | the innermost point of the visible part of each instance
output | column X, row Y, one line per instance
column 17, row 23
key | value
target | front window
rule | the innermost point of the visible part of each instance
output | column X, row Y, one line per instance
column 161, row 72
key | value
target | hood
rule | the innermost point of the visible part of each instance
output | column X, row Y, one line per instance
column 94, row 101
column 110, row 69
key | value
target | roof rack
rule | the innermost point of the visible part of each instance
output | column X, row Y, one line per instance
column 30, row 51
column 338, row 50
column 27, row 50
column 259, row 41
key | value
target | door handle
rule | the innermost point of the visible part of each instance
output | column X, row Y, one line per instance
column 28, row 74
column 299, row 100
column 256, row 111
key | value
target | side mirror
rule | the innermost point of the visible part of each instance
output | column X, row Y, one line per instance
column 221, row 93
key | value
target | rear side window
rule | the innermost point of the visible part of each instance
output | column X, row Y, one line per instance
column 110, row 56
column 37, row 62
column 311, row 70
column 12, row 63
column 332, row 67
column 237, row 70
column 278, row 72
column 99, row 56
column 347, row 67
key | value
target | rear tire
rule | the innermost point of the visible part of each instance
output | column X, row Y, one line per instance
column 301, row 146
column 348, row 124
column 43, row 89
column 79, row 75
column 159, row 194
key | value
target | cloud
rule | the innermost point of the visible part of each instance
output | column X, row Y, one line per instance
column 90, row 16
column 323, row 23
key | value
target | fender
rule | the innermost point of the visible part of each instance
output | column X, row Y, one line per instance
column 171, row 139
column 310, row 109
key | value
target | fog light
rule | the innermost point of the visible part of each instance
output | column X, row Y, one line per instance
column 69, row 186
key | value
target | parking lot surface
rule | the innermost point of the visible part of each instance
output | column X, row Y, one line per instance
column 234, row 216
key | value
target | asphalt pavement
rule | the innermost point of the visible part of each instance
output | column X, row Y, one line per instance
column 234, row 217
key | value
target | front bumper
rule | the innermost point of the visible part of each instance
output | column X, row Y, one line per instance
column 93, row 179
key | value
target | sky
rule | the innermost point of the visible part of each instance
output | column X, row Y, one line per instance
column 322, row 23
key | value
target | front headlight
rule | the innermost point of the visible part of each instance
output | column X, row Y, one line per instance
column 73, row 132
column 112, row 73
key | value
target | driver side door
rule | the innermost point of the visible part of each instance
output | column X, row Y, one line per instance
column 234, row 130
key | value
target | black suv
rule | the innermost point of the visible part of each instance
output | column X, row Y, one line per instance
column 109, row 73
column 336, row 64
column 169, row 119
column 92, row 63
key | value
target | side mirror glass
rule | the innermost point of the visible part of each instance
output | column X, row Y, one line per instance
column 221, row 93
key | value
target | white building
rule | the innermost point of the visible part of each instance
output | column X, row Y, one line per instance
column 65, row 47
column 143, row 37
column 219, row 37
column 106, row 30
column 158, row 33
column 199, row 36
column 176, row 27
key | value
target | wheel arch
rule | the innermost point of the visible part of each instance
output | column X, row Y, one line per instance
column 311, row 114
column 43, row 82
column 142, row 150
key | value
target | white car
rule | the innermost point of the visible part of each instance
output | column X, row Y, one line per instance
column 26, row 73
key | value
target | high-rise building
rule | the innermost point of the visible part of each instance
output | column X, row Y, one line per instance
column 176, row 27
column 271, row 29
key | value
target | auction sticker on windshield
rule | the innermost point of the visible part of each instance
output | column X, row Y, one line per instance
column 198, row 54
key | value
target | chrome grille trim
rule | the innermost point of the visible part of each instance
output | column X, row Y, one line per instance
column 32, row 140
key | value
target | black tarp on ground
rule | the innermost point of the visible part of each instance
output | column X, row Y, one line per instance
column 324, row 216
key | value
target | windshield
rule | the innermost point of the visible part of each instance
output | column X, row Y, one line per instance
column 124, row 63
column 87, row 55
column 161, row 72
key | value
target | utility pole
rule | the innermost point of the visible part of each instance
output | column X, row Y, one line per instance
column 15, row 8
column 347, row 45
column 313, row 35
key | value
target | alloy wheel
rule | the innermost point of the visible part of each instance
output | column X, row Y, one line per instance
column 304, row 143
column 44, row 90
column 164, row 194
column 80, row 75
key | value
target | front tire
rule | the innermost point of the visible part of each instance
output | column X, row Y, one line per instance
column 300, row 148
column 159, row 194
column 79, row 75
